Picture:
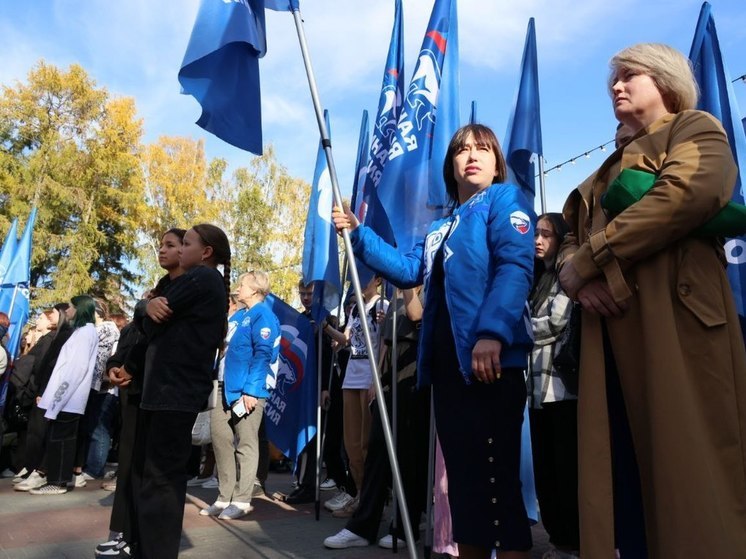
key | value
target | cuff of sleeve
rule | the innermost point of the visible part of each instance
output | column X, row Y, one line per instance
column 584, row 264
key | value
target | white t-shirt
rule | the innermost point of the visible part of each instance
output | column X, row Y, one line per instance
column 358, row 373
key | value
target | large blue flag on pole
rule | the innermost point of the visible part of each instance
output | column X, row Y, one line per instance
column 390, row 100
column 411, row 188
column 523, row 138
column 290, row 411
column 718, row 98
column 320, row 252
column 361, row 164
column 221, row 68
column 14, row 295
column 9, row 249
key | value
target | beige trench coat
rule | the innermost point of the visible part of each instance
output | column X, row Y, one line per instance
column 678, row 348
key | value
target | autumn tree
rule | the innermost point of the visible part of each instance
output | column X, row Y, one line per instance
column 181, row 189
column 72, row 150
column 267, row 220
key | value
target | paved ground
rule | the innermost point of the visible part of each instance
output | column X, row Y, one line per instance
column 69, row 526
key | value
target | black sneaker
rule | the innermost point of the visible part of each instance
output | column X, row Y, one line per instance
column 300, row 496
column 100, row 548
column 120, row 551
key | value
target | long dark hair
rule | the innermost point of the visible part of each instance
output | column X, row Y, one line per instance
column 561, row 229
column 62, row 322
column 483, row 135
column 213, row 236
column 85, row 310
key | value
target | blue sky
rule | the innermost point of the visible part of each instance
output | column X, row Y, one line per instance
column 135, row 47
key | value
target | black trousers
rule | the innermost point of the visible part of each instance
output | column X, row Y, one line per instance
column 121, row 511
column 413, row 413
column 62, row 442
column 162, row 447
column 36, row 437
column 554, row 439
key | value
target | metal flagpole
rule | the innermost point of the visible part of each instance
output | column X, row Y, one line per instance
column 430, row 482
column 394, row 411
column 319, row 337
column 326, row 143
column 542, row 186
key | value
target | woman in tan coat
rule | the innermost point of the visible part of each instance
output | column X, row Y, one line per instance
column 662, row 396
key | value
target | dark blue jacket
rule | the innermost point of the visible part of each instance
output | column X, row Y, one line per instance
column 488, row 263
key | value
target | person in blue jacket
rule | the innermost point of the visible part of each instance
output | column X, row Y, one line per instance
column 250, row 369
column 476, row 265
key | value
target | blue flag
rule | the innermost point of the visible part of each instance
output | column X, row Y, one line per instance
column 14, row 294
column 9, row 249
column 390, row 100
column 473, row 115
column 282, row 5
column 718, row 98
column 523, row 138
column 361, row 164
column 320, row 252
column 221, row 70
column 290, row 411
column 411, row 189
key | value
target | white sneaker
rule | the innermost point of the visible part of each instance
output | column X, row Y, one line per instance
column 328, row 484
column 214, row 509
column 387, row 542
column 87, row 477
column 234, row 511
column 31, row 482
column 344, row 539
column 20, row 476
column 338, row 502
column 79, row 480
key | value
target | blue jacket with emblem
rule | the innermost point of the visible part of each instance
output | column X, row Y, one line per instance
column 488, row 263
column 253, row 349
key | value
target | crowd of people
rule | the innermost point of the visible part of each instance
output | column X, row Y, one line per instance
column 613, row 334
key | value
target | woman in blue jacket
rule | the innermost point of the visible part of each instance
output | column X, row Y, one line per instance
column 476, row 265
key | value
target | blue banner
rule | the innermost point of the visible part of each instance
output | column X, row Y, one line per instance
column 411, row 188
column 9, row 249
column 282, row 5
column 290, row 411
column 14, row 294
column 361, row 165
column 523, row 138
column 221, row 70
column 320, row 251
column 718, row 98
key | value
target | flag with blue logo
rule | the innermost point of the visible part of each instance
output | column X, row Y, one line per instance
column 290, row 410
column 523, row 138
column 411, row 189
column 221, row 70
column 14, row 293
column 361, row 164
column 371, row 211
column 9, row 249
column 718, row 98
column 320, row 250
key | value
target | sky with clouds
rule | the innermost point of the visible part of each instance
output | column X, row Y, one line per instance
column 135, row 47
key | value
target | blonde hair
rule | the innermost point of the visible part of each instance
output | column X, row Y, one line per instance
column 669, row 69
column 259, row 279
